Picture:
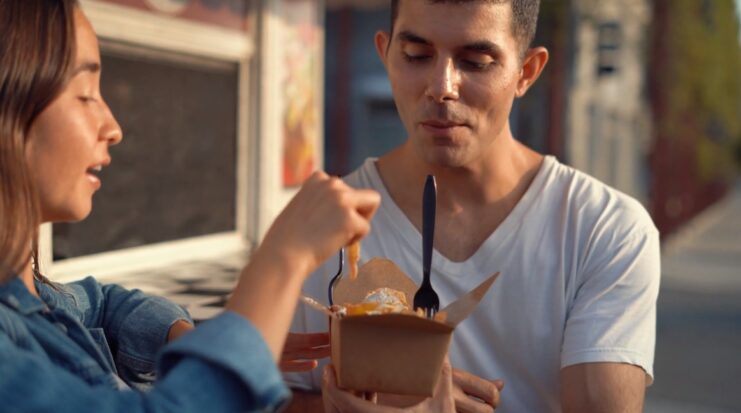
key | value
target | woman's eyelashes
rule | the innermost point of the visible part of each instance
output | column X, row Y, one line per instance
column 87, row 99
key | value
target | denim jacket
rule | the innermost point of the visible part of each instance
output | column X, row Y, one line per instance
column 93, row 347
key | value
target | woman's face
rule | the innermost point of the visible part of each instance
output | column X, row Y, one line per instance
column 68, row 142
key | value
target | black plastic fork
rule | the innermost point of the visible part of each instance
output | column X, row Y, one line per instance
column 336, row 278
column 426, row 298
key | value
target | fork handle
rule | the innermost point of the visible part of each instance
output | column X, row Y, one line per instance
column 429, row 201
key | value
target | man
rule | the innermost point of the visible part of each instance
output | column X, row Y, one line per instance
column 570, row 324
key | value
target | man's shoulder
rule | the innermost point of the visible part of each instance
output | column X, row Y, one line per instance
column 590, row 199
column 364, row 176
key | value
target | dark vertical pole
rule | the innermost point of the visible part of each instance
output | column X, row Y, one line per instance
column 343, row 126
column 557, row 25
column 660, row 155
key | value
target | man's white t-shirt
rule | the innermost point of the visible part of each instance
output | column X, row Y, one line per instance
column 580, row 270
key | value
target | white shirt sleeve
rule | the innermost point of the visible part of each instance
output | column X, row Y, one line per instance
column 613, row 315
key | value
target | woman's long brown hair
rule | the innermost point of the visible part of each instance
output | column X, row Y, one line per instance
column 36, row 55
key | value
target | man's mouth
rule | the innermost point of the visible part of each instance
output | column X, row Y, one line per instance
column 442, row 124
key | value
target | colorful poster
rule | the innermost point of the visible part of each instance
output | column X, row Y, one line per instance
column 302, row 38
column 228, row 14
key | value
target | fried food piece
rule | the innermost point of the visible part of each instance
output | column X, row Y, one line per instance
column 441, row 316
column 380, row 301
column 353, row 256
column 360, row 309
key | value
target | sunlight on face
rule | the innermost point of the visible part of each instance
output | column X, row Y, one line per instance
column 68, row 142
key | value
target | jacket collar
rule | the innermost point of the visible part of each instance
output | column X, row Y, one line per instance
column 15, row 295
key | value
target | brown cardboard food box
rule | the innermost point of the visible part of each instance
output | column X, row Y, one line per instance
column 392, row 353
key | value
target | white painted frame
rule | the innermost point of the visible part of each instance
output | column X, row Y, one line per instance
column 124, row 24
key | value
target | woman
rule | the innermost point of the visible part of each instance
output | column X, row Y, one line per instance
column 82, row 346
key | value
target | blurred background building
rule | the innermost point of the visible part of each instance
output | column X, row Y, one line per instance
column 227, row 105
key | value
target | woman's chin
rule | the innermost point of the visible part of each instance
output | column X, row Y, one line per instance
column 68, row 215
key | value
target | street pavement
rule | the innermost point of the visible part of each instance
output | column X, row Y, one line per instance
column 698, row 346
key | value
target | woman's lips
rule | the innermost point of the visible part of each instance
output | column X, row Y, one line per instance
column 92, row 172
column 94, row 180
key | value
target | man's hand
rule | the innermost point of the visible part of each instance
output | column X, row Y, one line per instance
column 302, row 351
column 474, row 394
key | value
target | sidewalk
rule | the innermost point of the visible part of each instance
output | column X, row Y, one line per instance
column 698, row 348
column 705, row 255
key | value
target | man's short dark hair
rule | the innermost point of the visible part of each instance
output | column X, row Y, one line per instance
column 524, row 17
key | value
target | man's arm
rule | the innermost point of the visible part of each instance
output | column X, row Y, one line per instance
column 603, row 388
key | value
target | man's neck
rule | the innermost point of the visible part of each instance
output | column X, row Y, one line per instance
column 485, row 181
column 472, row 200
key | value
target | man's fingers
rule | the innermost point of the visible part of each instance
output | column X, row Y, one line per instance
column 338, row 400
column 476, row 387
column 499, row 384
column 298, row 366
column 298, row 341
column 307, row 353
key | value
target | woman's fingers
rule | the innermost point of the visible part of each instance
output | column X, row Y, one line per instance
column 367, row 202
column 325, row 215
column 297, row 366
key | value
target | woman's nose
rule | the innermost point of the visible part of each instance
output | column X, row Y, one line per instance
column 111, row 130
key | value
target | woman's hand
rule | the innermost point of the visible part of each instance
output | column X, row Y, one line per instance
column 324, row 216
column 337, row 400
column 302, row 351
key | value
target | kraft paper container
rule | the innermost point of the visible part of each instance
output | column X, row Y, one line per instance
column 392, row 353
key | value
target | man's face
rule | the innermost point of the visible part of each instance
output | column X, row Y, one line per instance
column 454, row 71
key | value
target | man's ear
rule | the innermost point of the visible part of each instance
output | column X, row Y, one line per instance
column 532, row 66
column 382, row 45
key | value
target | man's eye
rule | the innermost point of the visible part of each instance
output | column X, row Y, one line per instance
column 475, row 65
column 415, row 58
column 86, row 99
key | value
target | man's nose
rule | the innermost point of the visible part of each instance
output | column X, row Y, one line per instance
column 444, row 82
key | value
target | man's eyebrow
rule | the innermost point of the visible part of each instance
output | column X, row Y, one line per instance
column 483, row 46
column 92, row 67
column 407, row 36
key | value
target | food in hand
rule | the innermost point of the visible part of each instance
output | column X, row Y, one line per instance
column 353, row 256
